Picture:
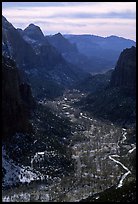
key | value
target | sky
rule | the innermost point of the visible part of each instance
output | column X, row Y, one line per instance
column 96, row 18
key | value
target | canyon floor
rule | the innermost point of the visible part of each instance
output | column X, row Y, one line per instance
column 100, row 153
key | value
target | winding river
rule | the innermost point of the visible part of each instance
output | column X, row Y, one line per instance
column 94, row 151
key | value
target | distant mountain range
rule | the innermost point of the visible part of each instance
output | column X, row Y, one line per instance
column 54, row 63
column 102, row 51
column 70, row 52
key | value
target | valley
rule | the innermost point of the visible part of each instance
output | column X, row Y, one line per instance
column 68, row 115
column 99, row 151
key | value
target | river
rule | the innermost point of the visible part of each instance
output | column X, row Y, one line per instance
column 95, row 145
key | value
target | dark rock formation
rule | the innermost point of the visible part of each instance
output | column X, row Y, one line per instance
column 34, row 32
column 127, row 193
column 24, row 121
column 117, row 101
column 16, row 48
column 95, row 83
column 45, row 67
column 17, row 101
column 124, row 74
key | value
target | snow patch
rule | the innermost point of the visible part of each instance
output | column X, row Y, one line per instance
column 131, row 150
column 16, row 173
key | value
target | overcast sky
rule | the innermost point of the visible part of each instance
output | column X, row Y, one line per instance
column 97, row 18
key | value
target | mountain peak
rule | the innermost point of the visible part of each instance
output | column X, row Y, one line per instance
column 32, row 25
column 59, row 35
column 33, row 31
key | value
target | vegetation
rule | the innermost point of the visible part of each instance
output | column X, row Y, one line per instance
column 126, row 193
column 111, row 104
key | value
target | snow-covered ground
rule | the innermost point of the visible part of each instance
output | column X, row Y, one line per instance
column 17, row 173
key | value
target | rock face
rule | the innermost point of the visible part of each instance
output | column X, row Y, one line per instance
column 124, row 74
column 48, row 72
column 29, row 127
column 15, row 47
column 17, row 100
column 34, row 32
column 117, row 101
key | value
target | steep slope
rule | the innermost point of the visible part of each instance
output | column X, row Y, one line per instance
column 61, row 43
column 34, row 32
column 17, row 101
column 48, row 72
column 126, row 193
column 57, row 46
column 15, row 47
column 28, row 131
column 71, row 53
column 103, row 50
column 17, row 107
column 117, row 102
column 124, row 74
column 95, row 83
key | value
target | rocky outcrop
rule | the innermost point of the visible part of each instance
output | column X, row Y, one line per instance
column 124, row 74
column 17, row 101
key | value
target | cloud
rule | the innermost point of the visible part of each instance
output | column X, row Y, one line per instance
column 102, row 18
column 127, row 15
column 89, row 7
column 33, row 4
